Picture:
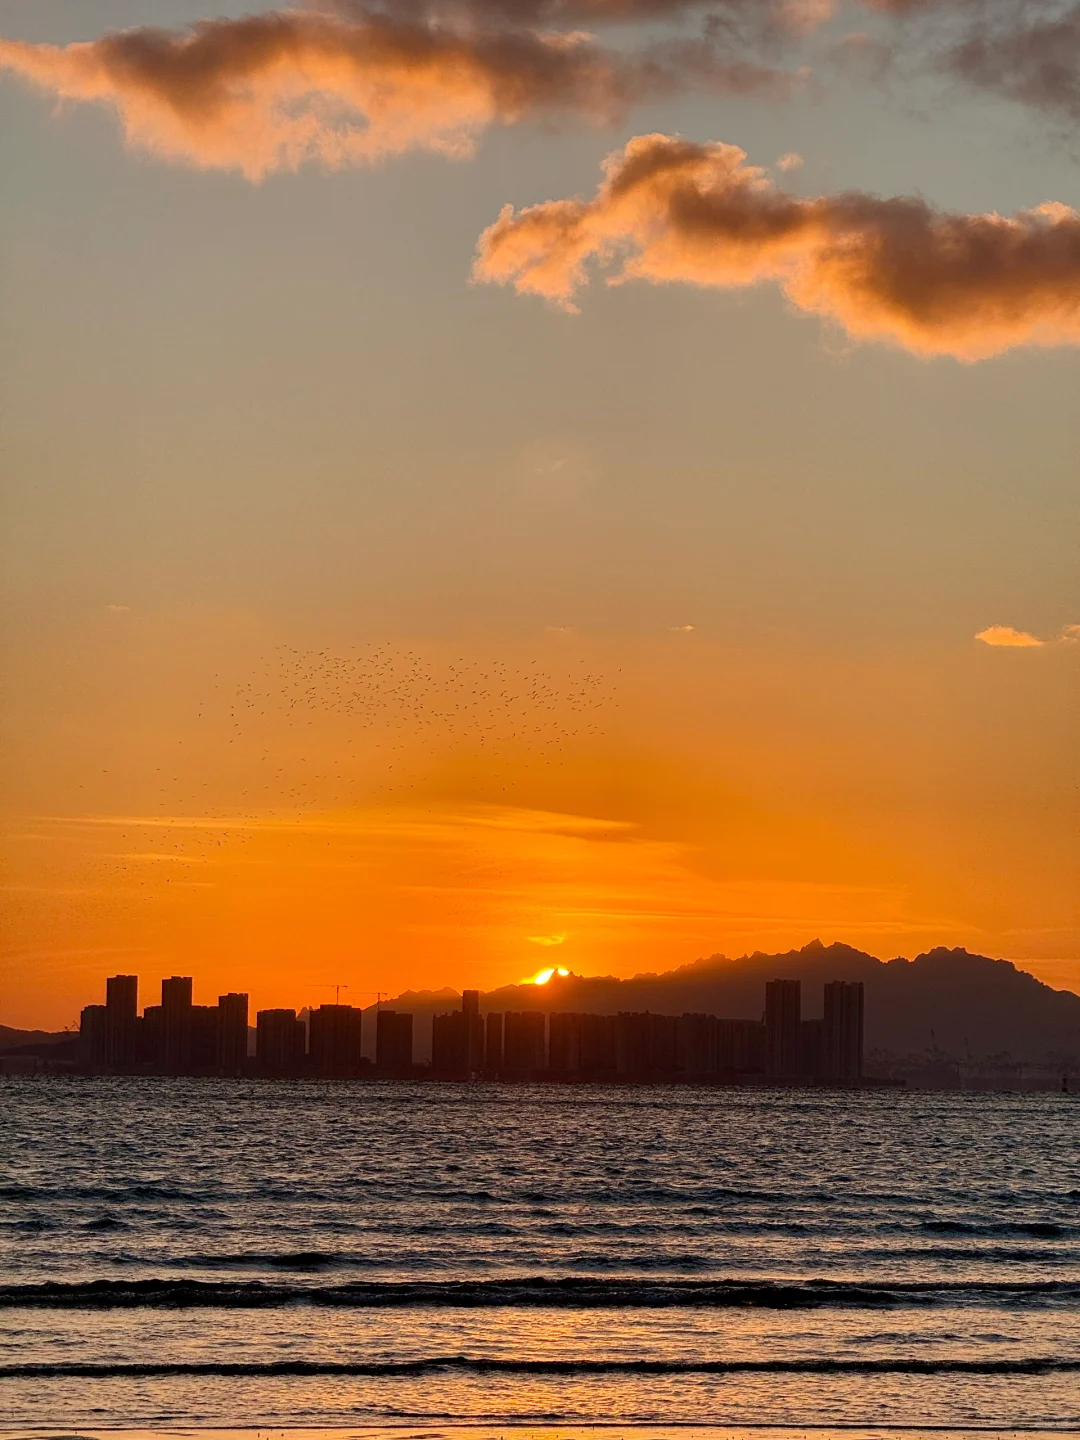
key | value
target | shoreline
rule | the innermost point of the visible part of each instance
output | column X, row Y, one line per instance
column 496, row 1430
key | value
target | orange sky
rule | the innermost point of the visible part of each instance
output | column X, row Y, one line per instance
column 276, row 819
column 705, row 582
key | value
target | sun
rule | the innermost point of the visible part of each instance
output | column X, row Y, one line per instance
column 543, row 976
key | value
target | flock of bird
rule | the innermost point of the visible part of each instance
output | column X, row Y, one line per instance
column 321, row 730
column 401, row 691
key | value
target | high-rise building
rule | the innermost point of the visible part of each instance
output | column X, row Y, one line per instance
column 645, row 1046
column 92, row 1031
column 843, row 1032
column 202, row 1056
column 448, row 1047
column 697, row 1041
column 121, row 1021
column 598, row 1046
column 783, row 1015
column 458, row 1047
column 812, row 1049
column 524, row 1049
column 176, row 1024
column 279, row 1042
column 740, row 1047
column 493, row 1043
column 564, row 1044
column 122, row 995
column 334, row 1040
column 394, row 1041
column 152, row 1038
column 232, row 1034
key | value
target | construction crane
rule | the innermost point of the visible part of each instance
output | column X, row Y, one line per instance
column 332, row 985
column 380, row 995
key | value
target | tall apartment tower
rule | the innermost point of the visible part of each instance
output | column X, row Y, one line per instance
column 335, row 1040
column 524, row 1043
column 92, row 1032
column 176, row 1024
column 564, row 1043
column 121, row 1032
column 122, row 995
column 280, row 1042
column 843, row 1031
column 493, row 1043
column 393, row 1041
column 783, row 1016
column 230, row 1057
column 474, row 1031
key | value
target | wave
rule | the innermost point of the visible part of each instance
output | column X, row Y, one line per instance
column 477, row 1365
column 1038, row 1229
column 529, row 1292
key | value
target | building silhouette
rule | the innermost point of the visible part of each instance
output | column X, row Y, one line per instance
column 121, row 1036
column 493, row 1044
column 740, row 1048
column 334, row 1041
column 811, row 1049
column 231, row 1034
column 697, row 1042
column 783, row 1017
column 393, row 1042
column 842, row 1048
column 646, row 1046
column 178, row 1037
column 564, row 1044
column 176, row 1025
column 458, row 1040
column 92, row 1036
column 598, row 1046
column 280, row 1043
column 524, row 1044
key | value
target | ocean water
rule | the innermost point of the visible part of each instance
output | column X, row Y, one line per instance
column 199, row 1253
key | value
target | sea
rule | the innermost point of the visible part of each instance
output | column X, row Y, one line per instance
column 178, row 1255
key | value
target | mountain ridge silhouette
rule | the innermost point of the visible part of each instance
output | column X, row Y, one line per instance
column 944, row 1001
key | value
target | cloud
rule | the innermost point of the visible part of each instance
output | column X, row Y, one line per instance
column 681, row 629
column 750, row 19
column 1071, row 632
column 117, row 609
column 1005, row 635
column 273, row 91
column 790, row 161
column 898, row 270
column 546, row 939
column 1036, row 63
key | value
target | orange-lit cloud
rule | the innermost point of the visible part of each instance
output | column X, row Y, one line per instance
column 898, row 270
column 273, row 91
column 1005, row 635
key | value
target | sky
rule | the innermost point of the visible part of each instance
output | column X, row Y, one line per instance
column 500, row 483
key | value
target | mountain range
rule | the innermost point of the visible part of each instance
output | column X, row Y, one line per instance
column 944, row 1003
